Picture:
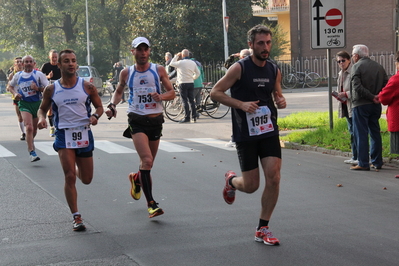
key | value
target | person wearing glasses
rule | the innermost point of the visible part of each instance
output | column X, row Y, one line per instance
column 343, row 97
column 27, row 86
column 367, row 79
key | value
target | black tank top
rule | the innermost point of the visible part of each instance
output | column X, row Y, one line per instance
column 256, row 83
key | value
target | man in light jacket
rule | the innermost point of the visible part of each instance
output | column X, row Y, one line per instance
column 187, row 72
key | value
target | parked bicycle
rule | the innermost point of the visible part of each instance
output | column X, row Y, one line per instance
column 174, row 109
column 105, row 92
column 108, row 90
column 310, row 79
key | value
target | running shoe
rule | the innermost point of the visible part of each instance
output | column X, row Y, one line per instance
column 78, row 223
column 52, row 131
column 230, row 144
column 229, row 193
column 23, row 135
column 33, row 156
column 154, row 210
column 265, row 236
column 135, row 181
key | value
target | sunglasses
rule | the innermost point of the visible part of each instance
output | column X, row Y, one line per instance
column 341, row 61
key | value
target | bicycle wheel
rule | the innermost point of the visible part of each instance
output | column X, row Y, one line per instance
column 173, row 109
column 215, row 109
column 312, row 80
column 105, row 95
column 201, row 108
column 289, row 81
column 126, row 92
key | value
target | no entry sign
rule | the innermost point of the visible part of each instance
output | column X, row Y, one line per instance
column 333, row 17
column 327, row 24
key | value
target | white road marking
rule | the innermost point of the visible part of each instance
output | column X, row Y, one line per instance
column 213, row 143
column 112, row 148
column 5, row 153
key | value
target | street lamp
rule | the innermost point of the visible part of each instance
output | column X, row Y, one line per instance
column 225, row 29
column 87, row 34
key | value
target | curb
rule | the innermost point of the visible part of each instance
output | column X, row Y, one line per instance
column 297, row 146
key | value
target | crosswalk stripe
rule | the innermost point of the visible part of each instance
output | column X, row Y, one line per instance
column 213, row 143
column 5, row 153
column 46, row 147
column 111, row 147
column 172, row 147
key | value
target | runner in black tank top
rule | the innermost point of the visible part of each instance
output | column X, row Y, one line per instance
column 255, row 86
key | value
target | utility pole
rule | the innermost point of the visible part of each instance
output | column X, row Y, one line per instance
column 225, row 29
column 87, row 34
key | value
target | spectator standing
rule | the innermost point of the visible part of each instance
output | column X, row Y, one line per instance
column 145, row 116
column 118, row 67
column 233, row 58
column 27, row 87
column 187, row 72
column 367, row 79
column 3, row 80
column 389, row 95
column 53, row 73
column 344, row 98
column 198, row 84
column 70, row 98
column 171, row 71
column 255, row 85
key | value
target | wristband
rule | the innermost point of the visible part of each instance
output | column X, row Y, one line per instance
column 111, row 106
column 96, row 116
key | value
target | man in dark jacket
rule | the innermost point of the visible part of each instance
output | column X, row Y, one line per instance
column 367, row 79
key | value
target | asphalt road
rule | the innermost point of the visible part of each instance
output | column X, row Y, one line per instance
column 317, row 222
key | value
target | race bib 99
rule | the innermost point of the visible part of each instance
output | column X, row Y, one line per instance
column 77, row 137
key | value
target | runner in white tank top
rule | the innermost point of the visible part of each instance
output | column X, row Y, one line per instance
column 71, row 98
column 141, row 85
column 145, row 115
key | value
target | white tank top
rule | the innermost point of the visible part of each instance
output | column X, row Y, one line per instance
column 71, row 106
column 140, row 85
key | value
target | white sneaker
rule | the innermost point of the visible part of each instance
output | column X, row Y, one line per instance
column 230, row 144
column 33, row 156
column 351, row 161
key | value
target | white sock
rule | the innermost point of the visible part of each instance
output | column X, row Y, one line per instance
column 22, row 127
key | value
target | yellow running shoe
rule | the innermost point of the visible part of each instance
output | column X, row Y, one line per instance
column 135, row 191
column 52, row 131
column 154, row 210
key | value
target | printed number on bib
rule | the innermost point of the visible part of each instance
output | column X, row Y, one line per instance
column 143, row 99
column 26, row 89
column 77, row 137
column 259, row 122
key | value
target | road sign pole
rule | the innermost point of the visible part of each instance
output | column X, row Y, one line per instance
column 330, row 104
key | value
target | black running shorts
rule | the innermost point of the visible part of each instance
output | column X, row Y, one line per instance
column 151, row 126
column 249, row 152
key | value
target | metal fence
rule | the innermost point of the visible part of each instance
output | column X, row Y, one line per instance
column 213, row 71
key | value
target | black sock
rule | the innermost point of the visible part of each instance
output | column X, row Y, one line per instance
column 230, row 183
column 146, row 184
column 262, row 223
